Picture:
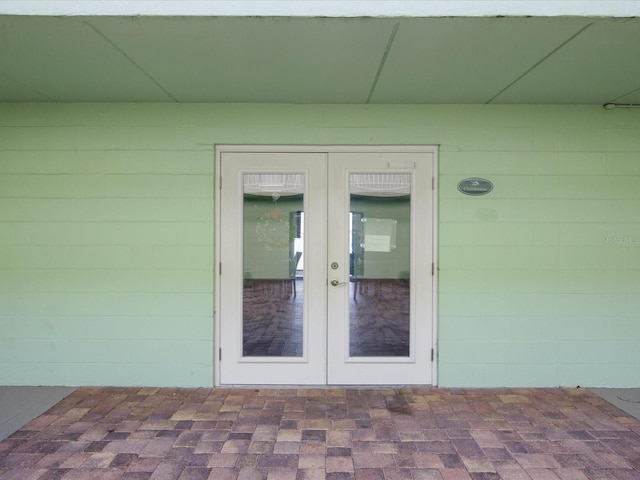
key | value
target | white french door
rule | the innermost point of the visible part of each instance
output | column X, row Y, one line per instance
column 271, row 333
column 326, row 266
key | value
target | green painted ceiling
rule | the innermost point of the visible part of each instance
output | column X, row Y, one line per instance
column 539, row 60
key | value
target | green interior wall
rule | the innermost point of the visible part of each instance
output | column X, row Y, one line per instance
column 270, row 230
column 268, row 250
column 107, row 237
column 394, row 263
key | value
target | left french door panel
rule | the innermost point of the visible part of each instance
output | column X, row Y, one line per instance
column 273, row 254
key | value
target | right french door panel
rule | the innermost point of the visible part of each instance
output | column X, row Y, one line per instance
column 379, row 305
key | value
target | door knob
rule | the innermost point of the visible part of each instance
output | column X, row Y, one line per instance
column 335, row 283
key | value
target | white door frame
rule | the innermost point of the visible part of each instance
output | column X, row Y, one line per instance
column 219, row 149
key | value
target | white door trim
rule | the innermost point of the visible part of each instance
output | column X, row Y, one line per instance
column 219, row 149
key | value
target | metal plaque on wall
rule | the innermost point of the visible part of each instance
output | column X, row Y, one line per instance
column 475, row 186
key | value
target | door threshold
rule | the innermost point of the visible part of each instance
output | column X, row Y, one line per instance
column 323, row 387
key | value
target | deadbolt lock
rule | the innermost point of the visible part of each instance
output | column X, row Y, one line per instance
column 335, row 265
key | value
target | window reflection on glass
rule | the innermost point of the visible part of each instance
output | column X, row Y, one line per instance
column 273, row 239
column 380, row 226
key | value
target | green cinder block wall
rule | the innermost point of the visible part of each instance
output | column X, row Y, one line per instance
column 107, row 237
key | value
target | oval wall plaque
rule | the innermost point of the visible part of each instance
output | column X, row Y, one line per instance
column 475, row 186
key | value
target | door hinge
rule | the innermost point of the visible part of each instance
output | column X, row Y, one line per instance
column 220, row 268
column 433, row 269
column 220, row 182
column 220, row 354
column 433, row 354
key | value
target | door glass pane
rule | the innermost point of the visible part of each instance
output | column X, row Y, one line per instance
column 273, row 239
column 380, row 224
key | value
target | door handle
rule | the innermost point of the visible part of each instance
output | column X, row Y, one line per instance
column 335, row 283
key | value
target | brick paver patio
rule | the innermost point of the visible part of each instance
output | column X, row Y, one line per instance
column 326, row 433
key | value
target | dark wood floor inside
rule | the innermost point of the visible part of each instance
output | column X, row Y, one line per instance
column 379, row 322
